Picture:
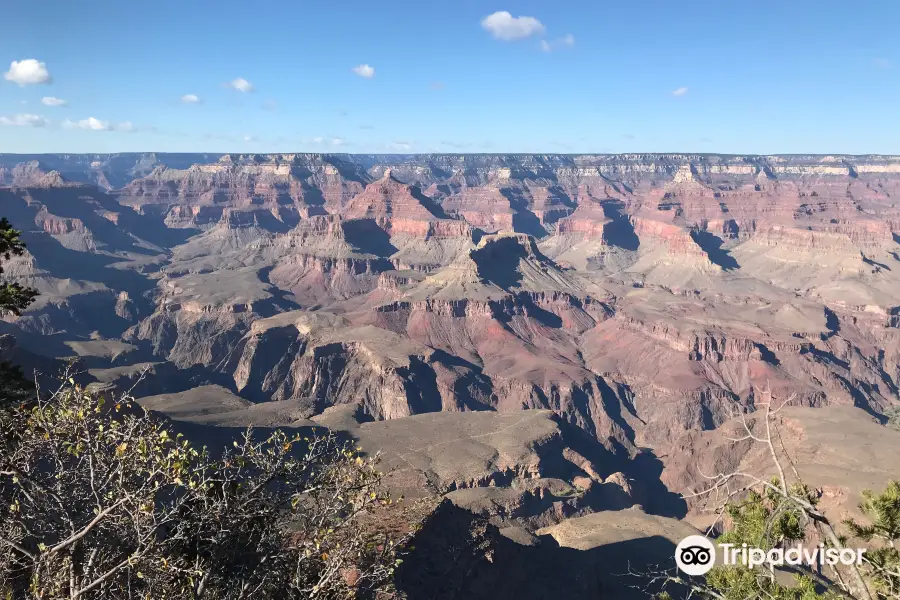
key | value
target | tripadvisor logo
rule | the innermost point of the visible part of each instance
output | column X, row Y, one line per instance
column 696, row 555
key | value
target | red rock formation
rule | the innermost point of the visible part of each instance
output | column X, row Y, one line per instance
column 401, row 209
column 588, row 220
column 678, row 239
column 687, row 279
column 483, row 207
column 58, row 225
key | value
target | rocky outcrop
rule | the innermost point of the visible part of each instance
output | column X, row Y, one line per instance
column 588, row 220
column 837, row 238
column 401, row 209
column 300, row 185
column 715, row 346
column 636, row 296
column 33, row 174
column 832, row 448
column 483, row 207
column 677, row 239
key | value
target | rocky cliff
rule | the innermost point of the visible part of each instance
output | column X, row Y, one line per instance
column 637, row 296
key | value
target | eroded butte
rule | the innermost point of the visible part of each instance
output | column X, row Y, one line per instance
column 636, row 301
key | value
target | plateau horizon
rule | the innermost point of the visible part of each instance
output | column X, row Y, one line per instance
column 510, row 154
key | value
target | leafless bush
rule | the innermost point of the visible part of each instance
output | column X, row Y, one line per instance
column 103, row 500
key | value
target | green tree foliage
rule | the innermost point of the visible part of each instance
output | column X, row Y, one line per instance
column 764, row 520
column 14, row 387
column 883, row 530
column 106, row 501
column 14, row 298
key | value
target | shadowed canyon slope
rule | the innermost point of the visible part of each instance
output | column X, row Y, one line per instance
column 637, row 297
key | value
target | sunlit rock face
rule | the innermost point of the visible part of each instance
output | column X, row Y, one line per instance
column 637, row 297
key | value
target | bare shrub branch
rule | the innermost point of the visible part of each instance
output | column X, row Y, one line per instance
column 103, row 500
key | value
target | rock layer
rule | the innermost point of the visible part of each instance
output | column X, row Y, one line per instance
column 637, row 296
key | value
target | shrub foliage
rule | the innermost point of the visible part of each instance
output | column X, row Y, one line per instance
column 104, row 500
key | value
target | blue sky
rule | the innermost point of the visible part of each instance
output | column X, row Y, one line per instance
column 771, row 76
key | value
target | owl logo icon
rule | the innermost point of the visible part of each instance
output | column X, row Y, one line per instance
column 695, row 555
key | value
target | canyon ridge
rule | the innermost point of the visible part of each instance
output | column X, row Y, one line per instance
column 538, row 337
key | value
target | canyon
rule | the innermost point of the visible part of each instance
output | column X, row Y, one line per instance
column 630, row 305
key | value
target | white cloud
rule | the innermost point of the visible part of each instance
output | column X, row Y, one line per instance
column 27, row 72
column 240, row 84
column 567, row 41
column 680, row 91
column 24, row 120
column 94, row 124
column 90, row 123
column 249, row 138
column 336, row 141
column 503, row 26
column 365, row 71
column 51, row 101
column 190, row 99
